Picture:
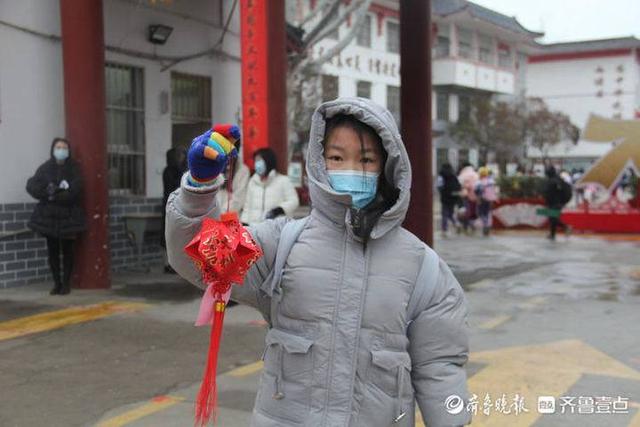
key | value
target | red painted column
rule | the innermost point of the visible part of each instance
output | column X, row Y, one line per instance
column 415, row 93
column 264, row 78
column 84, row 101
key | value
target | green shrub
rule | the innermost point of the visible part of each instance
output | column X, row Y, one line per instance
column 520, row 187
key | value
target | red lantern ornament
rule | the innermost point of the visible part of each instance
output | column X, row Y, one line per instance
column 223, row 251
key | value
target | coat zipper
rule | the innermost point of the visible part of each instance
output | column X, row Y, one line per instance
column 333, row 327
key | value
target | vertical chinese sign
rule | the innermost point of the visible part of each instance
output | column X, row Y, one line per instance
column 264, row 73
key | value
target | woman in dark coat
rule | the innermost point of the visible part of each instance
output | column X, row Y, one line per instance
column 449, row 188
column 58, row 216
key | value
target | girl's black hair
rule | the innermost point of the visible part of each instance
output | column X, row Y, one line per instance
column 386, row 189
column 56, row 140
column 269, row 157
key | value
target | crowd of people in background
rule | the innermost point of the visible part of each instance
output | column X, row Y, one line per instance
column 467, row 198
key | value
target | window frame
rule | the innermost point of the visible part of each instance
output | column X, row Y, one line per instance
column 367, row 24
column 127, row 157
column 486, row 51
column 393, row 47
column 442, row 113
column 465, row 48
column 204, row 107
column 367, row 84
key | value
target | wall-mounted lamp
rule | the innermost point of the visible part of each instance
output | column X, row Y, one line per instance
column 159, row 34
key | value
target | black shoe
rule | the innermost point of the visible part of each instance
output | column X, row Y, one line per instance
column 56, row 289
column 65, row 289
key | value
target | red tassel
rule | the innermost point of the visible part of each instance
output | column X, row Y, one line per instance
column 207, row 398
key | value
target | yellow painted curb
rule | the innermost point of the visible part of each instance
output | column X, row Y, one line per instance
column 155, row 405
column 68, row 316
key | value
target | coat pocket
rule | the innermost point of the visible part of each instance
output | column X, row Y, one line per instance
column 390, row 371
column 290, row 354
column 288, row 369
column 388, row 396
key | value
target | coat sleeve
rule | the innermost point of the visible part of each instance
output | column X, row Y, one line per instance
column 439, row 350
column 37, row 185
column 290, row 201
column 186, row 208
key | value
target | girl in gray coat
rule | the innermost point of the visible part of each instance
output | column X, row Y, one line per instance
column 365, row 319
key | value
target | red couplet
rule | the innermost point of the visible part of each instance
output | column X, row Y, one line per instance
column 264, row 76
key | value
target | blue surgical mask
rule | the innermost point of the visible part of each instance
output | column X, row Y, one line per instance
column 61, row 153
column 361, row 186
column 261, row 167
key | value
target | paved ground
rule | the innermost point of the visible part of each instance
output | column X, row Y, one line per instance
column 556, row 319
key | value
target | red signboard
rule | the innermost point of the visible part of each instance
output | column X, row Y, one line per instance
column 263, row 78
column 254, row 76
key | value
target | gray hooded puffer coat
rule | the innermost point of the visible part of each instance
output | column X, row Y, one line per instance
column 341, row 350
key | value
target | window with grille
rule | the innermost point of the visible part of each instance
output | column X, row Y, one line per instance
column 393, row 102
column 465, row 43
column 485, row 49
column 330, row 87
column 190, row 98
column 464, row 108
column 363, row 89
column 125, row 128
column 443, row 44
column 442, row 106
column 505, row 56
column 363, row 38
column 393, row 37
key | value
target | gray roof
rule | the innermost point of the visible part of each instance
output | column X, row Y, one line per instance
column 590, row 45
column 448, row 7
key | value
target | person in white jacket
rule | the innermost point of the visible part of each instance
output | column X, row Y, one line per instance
column 233, row 194
column 269, row 194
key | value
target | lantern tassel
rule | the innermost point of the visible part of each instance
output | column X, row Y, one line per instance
column 207, row 398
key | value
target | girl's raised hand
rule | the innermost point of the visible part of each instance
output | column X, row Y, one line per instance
column 209, row 153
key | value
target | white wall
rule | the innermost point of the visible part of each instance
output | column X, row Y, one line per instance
column 570, row 86
column 354, row 63
column 196, row 27
column 31, row 93
column 31, row 77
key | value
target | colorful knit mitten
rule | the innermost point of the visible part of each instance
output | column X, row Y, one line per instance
column 209, row 153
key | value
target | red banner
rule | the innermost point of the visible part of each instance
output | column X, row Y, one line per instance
column 253, row 36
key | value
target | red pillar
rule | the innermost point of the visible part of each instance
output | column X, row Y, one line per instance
column 264, row 78
column 415, row 93
column 84, row 101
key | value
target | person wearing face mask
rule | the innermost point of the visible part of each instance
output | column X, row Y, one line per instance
column 364, row 319
column 58, row 216
column 269, row 194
